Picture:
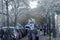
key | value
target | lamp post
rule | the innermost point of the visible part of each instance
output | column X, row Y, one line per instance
column 48, row 16
column 15, row 14
column 7, row 14
column 2, row 13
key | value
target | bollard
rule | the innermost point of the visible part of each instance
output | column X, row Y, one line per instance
column 37, row 38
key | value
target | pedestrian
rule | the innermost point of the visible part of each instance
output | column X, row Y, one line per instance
column 44, row 28
column 35, row 33
column 41, row 32
column 1, row 34
column 30, row 35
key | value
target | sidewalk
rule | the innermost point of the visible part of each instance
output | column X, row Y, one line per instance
column 41, row 37
column 25, row 38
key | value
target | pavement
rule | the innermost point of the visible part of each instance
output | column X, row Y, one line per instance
column 41, row 37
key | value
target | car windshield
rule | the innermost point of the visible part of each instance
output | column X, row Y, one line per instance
column 27, row 27
column 11, row 29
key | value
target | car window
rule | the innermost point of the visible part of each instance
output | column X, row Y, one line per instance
column 27, row 27
column 11, row 29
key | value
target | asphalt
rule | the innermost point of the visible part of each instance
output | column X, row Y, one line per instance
column 41, row 37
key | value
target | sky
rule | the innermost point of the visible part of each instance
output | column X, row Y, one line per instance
column 9, row 7
column 33, row 4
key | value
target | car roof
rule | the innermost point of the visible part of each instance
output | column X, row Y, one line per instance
column 7, row 27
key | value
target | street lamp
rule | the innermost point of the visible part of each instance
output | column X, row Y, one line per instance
column 2, row 13
column 7, row 13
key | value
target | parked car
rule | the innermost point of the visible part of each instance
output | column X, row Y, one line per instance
column 21, row 31
column 16, row 33
column 9, row 33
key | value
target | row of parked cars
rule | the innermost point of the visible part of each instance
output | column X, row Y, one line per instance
column 14, row 33
column 19, row 31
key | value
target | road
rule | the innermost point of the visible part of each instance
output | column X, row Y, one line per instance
column 41, row 37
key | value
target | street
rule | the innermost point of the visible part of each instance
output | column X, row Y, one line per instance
column 41, row 37
column 29, row 19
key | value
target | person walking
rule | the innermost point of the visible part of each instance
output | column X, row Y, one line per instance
column 1, row 34
column 30, row 35
column 35, row 34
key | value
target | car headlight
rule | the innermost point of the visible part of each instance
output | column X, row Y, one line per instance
column 15, row 35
